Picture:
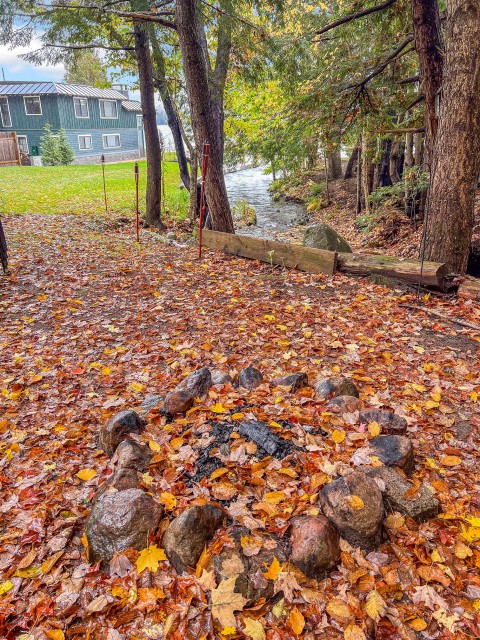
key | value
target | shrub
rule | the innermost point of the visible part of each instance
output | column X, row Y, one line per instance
column 54, row 147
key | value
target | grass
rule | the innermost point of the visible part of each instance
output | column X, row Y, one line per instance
column 79, row 189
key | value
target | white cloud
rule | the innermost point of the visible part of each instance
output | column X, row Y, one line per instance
column 15, row 68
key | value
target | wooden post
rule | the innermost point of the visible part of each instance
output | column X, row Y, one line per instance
column 17, row 149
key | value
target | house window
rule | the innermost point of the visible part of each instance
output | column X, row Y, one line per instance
column 84, row 142
column 22, row 144
column 81, row 107
column 33, row 106
column 111, row 140
column 5, row 112
column 108, row 109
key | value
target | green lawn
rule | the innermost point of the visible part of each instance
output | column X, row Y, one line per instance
column 79, row 189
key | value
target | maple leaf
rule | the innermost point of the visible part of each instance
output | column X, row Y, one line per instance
column 225, row 601
column 273, row 570
column 297, row 621
column 353, row 632
column 86, row 474
column 253, row 629
column 149, row 558
column 168, row 499
column 375, row 606
column 355, row 502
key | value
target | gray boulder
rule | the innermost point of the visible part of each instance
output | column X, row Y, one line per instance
column 295, row 381
column 152, row 401
column 131, row 455
column 395, row 487
column 322, row 236
column 250, row 378
column 121, row 480
column 219, row 378
column 355, row 506
column 187, row 535
column 119, row 521
column 327, row 388
column 344, row 404
column 391, row 451
column 391, row 422
column 117, row 428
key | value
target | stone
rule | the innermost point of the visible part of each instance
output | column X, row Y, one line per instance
column 327, row 388
column 390, row 422
column 295, row 381
column 196, row 385
column 131, row 455
column 219, row 378
column 152, row 401
column 250, row 378
column 121, row 480
column 359, row 521
column 322, row 236
column 119, row 521
column 391, row 451
column 344, row 404
column 188, row 534
column 315, row 545
column 117, row 429
column 249, row 569
column 394, row 486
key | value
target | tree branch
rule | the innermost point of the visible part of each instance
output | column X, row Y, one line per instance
column 410, row 80
column 399, row 50
column 88, row 46
column 354, row 16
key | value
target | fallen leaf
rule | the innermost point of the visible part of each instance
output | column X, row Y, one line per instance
column 86, row 474
column 225, row 601
column 297, row 621
column 149, row 558
column 375, row 606
column 253, row 629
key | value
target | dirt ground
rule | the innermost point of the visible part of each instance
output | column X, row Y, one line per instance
column 91, row 322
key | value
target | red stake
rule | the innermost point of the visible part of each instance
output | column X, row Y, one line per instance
column 136, row 200
column 206, row 154
column 102, row 160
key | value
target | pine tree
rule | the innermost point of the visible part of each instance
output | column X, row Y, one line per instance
column 49, row 147
column 65, row 151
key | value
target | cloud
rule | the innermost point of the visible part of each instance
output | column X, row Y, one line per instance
column 15, row 68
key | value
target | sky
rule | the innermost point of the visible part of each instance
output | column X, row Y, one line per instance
column 15, row 68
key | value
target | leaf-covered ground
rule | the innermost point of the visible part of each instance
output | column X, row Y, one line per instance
column 90, row 323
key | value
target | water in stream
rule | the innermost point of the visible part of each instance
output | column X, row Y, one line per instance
column 251, row 186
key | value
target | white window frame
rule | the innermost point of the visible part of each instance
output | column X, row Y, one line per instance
column 39, row 102
column 100, row 109
column 9, row 115
column 85, row 135
column 75, row 108
column 26, row 143
column 104, row 135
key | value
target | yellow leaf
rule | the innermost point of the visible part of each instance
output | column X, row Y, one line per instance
column 474, row 396
column 470, row 534
column 5, row 587
column 376, row 606
column 149, row 558
column 474, row 521
column 462, row 551
column 237, row 416
column 273, row 570
column 353, row 632
column 253, row 629
column 296, row 620
column 168, row 499
column 338, row 436
column 228, row 631
column 436, row 557
column 31, row 572
column 451, row 461
column 86, row 474
column 374, row 429
column 430, row 404
column 225, row 601
column 274, row 497
column 218, row 408
column 476, row 605
column 154, row 446
column 55, row 634
column 106, row 371
column 418, row 624
column 136, row 387
column 339, row 610
column 48, row 564
column 418, row 387
column 355, row 502
column 147, row 478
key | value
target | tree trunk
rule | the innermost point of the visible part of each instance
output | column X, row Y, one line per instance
column 394, row 160
column 352, row 161
column 152, row 141
column 383, row 167
column 192, row 205
column 409, row 160
column 205, row 97
column 334, row 163
column 429, row 48
column 456, row 154
column 161, row 84
column 418, row 153
column 358, row 207
column 368, row 169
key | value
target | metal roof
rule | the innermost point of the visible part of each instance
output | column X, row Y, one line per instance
column 131, row 105
column 41, row 88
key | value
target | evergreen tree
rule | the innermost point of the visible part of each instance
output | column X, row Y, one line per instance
column 49, row 148
column 65, row 151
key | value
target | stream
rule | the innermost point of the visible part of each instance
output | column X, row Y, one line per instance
column 251, row 186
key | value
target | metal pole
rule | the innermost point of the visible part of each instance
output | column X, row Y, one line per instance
column 136, row 200
column 206, row 154
column 102, row 160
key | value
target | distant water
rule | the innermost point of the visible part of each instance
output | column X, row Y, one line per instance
column 167, row 137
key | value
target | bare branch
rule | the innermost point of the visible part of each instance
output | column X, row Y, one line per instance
column 354, row 16
column 87, row 46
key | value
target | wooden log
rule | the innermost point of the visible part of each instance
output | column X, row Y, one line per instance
column 433, row 274
column 286, row 255
column 469, row 289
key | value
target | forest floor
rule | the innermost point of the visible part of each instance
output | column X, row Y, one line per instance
column 90, row 322
column 386, row 230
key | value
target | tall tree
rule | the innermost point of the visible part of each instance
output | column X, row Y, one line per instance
column 85, row 67
column 205, row 88
column 456, row 153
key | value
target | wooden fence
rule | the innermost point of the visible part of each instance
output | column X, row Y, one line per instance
column 9, row 151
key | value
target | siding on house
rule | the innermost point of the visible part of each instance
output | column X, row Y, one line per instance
column 94, row 121
column 128, row 141
column 20, row 120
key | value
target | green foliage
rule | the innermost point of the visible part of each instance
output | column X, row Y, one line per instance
column 65, row 151
column 54, row 147
column 243, row 212
column 87, row 68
